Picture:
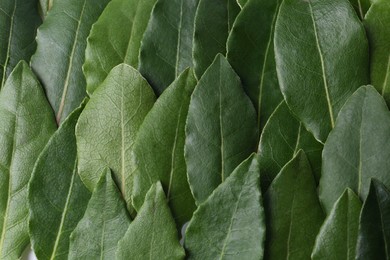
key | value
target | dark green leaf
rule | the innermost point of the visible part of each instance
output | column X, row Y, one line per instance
column 153, row 234
column 27, row 122
column 221, row 129
column 321, row 55
column 361, row 7
column 293, row 212
column 230, row 223
column 115, row 38
column 45, row 6
column 357, row 149
column 57, row 197
column 338, row 235
column 241, row 3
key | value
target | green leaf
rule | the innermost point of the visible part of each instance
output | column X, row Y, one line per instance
column 293, row 212
column 338, row 235
column 60, row 53
column 115, row 38
column 241, row 3
column 166, row 49
column 283, row 136
column 108, row 126
column 361, row 7
column 374, row 226
column 377, row 23
column 356, row 149
column 27, row 122
column 103, row 225
column 213, row 22
column 230, row 223
column 159, row 149
column 153, row 234
column 221, row 129
column 57, row 197
column 250, row 52
column 45, row 6
column 19, row 20
column 315, row 75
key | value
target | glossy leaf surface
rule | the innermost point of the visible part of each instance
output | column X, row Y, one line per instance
column 62, row 40
column 57, row 197
column 338, row 235
column 153, row 234
column 316, row 78
column 357, row 149
column 159, row 149
column 103, row 225
column 166, row 49
column 115, row 38
column 293, row 212
column 230, row 223
column 27, row 122
column 221, row 129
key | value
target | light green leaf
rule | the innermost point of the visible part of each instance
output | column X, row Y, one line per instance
column 103, row 225
column 108, row 126
column 356, row 149
column 115, row 38
column 221, row 129
column 250, row 52
column 213, row 22
column 153, row 234
column 377, row 23
column 338, row 235
column 315, row 75
column 166, row 49
column 361, row 7
column 230, row 223
column 57, row 197
column 159, row 149
column 293, row 212
column 283, row 136
column 61, row 49
column 45, row 6
column 27, row 122
column 19, row 20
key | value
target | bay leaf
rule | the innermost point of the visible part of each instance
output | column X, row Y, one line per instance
column 361, row 7
column 221, row 129
column 45, row 6
column 241, row 3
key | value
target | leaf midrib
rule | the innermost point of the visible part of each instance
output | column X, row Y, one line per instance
column 179, row 40
column 386, row 77
column 222, row 149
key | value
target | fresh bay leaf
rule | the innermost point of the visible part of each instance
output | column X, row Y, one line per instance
column 374, row 226
column 361, row 7
column 221, row 129
column 213, row 22
column 241, row 3
column 159, row 149
column 250, row 52
column 377, row 23
column 315, row 76
column 230, row 223
column 57, row 197
column 27, row 122
column 338, row 235
column 356, row 149
column 293, row 212
column 45, row 6
column 153, row 233
column 283, row 136
column 166, row 49
column 108, row 126
column 19, row 20
column 115, row 38
column 62, row 40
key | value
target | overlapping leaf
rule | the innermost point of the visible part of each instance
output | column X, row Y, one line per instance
column 361, row 7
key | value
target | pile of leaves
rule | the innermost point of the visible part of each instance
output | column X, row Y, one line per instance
column 199, row 129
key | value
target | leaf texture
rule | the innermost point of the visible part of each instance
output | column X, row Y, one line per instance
column 57, row 197
column 221, row 129
column 358, row 148
column 115, row 38
column 316, row 78
column 27, row 122
column 159, row 149
column 45, row 6
column 166, row 49
column 361, row 7
column 103, row 225
column 62, row 40
column 293, row 212
column 153, row 234
column 230, row 223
